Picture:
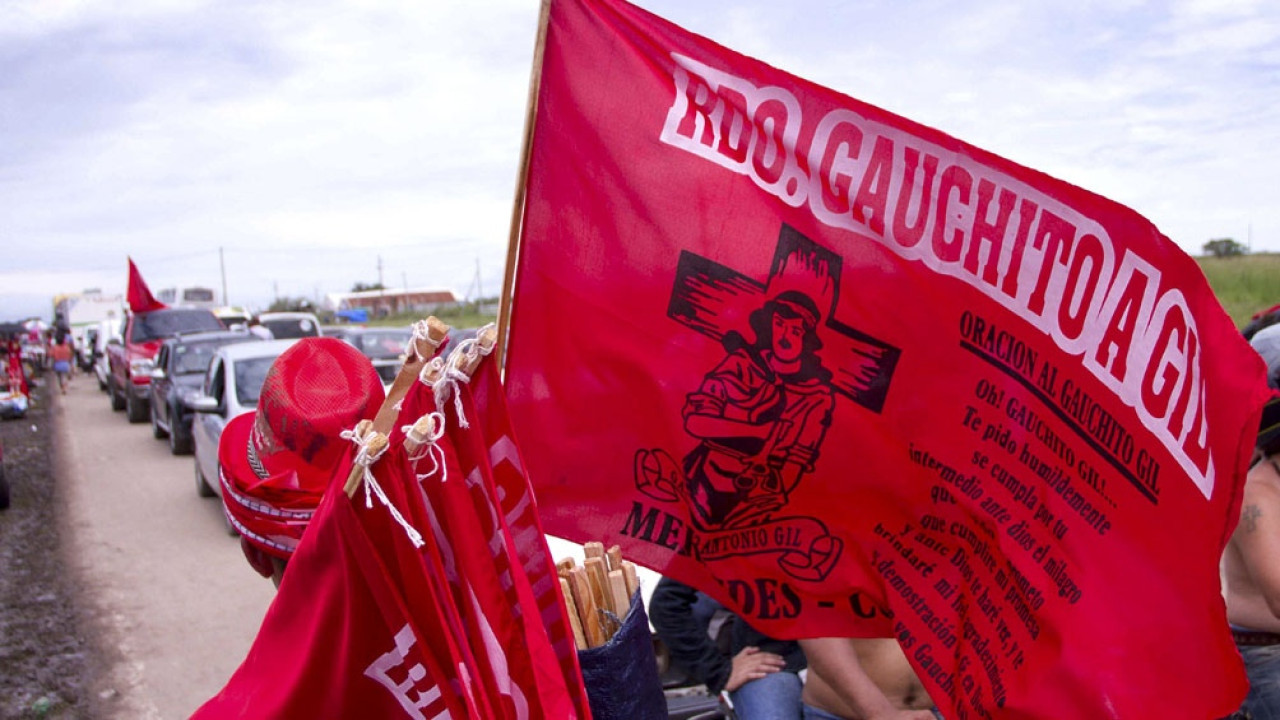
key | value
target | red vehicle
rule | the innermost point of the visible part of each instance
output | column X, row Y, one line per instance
column 132, row 358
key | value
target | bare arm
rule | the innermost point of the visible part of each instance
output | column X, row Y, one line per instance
column 1257, row 536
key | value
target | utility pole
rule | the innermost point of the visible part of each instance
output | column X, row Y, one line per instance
column 382, row 289
column 223, row 263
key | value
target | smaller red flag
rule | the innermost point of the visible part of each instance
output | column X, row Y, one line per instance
column 519, row 508
column 519, row 672
column 342, row 639
column 140, row 298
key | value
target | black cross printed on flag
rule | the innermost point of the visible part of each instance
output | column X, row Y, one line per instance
column 716, row 300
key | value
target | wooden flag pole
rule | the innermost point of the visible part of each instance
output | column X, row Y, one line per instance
column 379, row 429
column 522, row 177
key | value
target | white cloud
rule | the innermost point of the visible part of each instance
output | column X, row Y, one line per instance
column 308, row 140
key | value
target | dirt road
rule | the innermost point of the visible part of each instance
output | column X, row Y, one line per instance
column 174, row 602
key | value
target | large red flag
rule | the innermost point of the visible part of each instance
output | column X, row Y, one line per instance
column 853, row 376
column 139, row 295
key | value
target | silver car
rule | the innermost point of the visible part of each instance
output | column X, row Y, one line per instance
column 231, row 387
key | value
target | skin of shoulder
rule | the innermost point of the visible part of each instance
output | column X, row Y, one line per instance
column 1252, row 562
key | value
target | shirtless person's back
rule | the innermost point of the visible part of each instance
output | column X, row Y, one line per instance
column 863, row 679
column 1251, row 570
column 1251, row 562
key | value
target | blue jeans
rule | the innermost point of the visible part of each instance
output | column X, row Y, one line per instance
column 775, row 696
column 1262, row 664
column 813, row 713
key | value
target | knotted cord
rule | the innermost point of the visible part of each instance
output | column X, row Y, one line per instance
column 421, row 439
column 366, row 456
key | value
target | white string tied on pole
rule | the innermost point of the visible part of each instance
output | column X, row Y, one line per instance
column 443, row 376
column 421, row 332
column 421, row 441
column 363, row 436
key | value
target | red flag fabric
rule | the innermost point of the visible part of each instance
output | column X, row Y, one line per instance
column 519, row 667
column 519, row 509
column 355, row 630
column 139, row 295
column 852, row 376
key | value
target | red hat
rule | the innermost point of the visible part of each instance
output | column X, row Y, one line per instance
column 275, row 464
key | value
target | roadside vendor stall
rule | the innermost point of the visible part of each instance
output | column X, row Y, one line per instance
column 14, row 389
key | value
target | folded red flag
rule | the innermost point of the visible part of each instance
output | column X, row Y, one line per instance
column 343, row 638
column 503, row 625
column 853, row 376
column 519, row 508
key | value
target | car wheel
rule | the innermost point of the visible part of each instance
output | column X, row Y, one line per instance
column 135, row 408
column 202, row 487
column 117, row 399
column 179, row 441
column 157, row 432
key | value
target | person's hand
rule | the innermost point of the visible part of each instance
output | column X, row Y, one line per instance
column 752, row 664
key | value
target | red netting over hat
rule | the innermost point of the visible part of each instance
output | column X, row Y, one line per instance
column 276, row 463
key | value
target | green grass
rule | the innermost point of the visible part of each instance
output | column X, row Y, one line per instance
column 1244, row 284
column 466, row 316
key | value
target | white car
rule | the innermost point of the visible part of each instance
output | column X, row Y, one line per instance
column 231, row 387
column 107, row 329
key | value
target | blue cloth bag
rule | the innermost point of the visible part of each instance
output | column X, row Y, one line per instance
column 621, row 676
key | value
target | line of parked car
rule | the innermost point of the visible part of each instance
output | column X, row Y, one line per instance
column 188, row 372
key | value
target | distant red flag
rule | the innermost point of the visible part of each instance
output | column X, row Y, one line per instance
column 140, row 298
column 852, row 376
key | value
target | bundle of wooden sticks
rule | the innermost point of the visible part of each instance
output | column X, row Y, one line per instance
column 598, row 593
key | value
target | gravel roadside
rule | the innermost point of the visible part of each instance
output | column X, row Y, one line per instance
column 47, row 650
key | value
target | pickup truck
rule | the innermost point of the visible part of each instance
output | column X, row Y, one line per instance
column 132, row 356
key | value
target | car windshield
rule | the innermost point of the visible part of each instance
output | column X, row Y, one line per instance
column 288, row 328
column 383, row 344
column 193, row 358
column 250, row 375
column 163, row 323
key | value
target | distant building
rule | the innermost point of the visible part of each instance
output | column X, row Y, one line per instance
column 380, row 303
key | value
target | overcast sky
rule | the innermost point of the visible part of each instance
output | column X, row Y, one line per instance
column 320, row 144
